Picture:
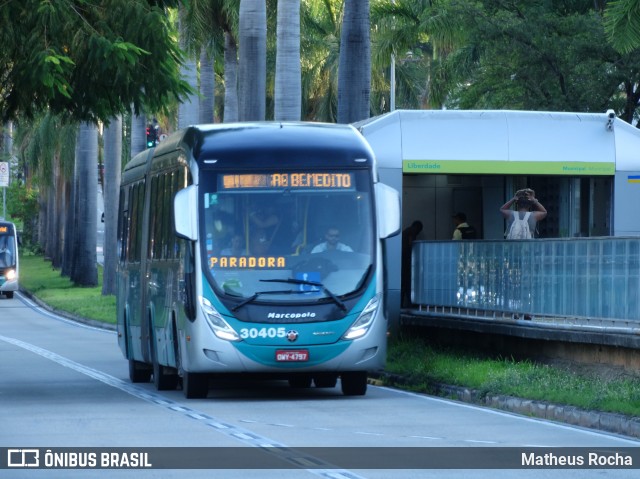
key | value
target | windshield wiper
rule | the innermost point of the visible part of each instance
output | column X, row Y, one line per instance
column 337, row 300
column 255, row 295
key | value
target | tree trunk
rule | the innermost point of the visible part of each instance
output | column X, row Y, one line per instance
column 354, row 70
column 207, row 87
column 252, row 78
column 230, row 78
column 112, row 167
column 138, row 134
column 288, row 83
column 188, row 113
column 84, row 271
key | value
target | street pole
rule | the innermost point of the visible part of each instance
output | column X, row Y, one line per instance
column 392, row 85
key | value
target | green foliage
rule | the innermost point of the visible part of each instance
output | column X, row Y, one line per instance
column 535, row 55
column 22, row 207
column 87, row 60
column 41, row 280
column 424, row 365
column 622, row 24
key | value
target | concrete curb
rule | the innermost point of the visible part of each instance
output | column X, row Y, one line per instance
column 66, row 315
column 602, row 421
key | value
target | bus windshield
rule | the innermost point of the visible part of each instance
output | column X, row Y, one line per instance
column 287, row 236
column 7, row 247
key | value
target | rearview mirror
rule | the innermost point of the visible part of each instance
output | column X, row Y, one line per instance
column 388, row 210
column 185, row 213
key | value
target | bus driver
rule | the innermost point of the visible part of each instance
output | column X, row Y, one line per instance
column 331, row 242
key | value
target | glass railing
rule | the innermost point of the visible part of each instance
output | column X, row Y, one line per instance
column 582, row 277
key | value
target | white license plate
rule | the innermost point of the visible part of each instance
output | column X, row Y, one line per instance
column 299, row 355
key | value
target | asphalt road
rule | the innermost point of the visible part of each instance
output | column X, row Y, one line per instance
column 65, row 385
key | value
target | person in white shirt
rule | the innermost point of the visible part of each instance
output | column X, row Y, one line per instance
column 331, row 242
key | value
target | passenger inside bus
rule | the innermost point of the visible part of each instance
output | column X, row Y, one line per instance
column 264, row 224
column 331, row 242
column 235, row 248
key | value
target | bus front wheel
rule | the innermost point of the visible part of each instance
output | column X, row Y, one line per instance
column 354, row 383
column 194, row 385
column 139, row 372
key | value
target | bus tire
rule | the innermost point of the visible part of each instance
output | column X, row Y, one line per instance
column 162, row 380
column 139, row 372
column 354, row 383
column 8, row 294
column 195, row 385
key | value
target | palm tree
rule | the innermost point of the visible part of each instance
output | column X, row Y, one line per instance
column 112, row 168
column 622, row 24
column 252, row 78
column 320, row 47
column 288, row 86
column 207, row 86
column 84, row 271
column 230, row 78
column 46, row 147
column 188, row 110
column 354, row 74
column 138, row 134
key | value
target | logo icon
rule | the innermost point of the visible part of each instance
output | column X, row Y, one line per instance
column 292, row 335
column 23, row 457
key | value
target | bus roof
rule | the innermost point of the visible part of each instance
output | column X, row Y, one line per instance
column 287, row 143
column 503, row 142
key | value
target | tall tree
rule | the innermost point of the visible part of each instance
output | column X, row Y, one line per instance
column 86, row 60
column 189, row 108
column 138, row 133
column 354, row 74
column 539, row 55
column 112, row 168
column 84, row 270
column 230, row 78
column 207, row 86
column 252, row 71
column 288, row 82
column 320, row 48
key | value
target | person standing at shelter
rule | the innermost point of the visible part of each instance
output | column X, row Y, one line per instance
column 462, row 230
column 521, row 222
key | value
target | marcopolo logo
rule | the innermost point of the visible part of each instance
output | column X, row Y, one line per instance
column 306, row 314
column 23, row 458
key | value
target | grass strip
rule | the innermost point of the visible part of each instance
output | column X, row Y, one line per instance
column 423, row 365
column 40, row 279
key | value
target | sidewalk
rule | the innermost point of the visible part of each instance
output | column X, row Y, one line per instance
column 603, row 421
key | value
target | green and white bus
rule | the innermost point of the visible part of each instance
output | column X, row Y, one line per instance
column 254, row 249
column 9, row 264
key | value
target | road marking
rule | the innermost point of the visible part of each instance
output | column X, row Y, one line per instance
column 245, row 436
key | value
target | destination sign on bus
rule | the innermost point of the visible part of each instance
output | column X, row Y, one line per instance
column 4, row 229
column 309, row 180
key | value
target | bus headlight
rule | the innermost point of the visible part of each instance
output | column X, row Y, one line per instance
column 10, row 274
column 361, row 325
column 219, row 326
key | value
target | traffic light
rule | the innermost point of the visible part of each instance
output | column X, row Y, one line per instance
column 152, row 135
